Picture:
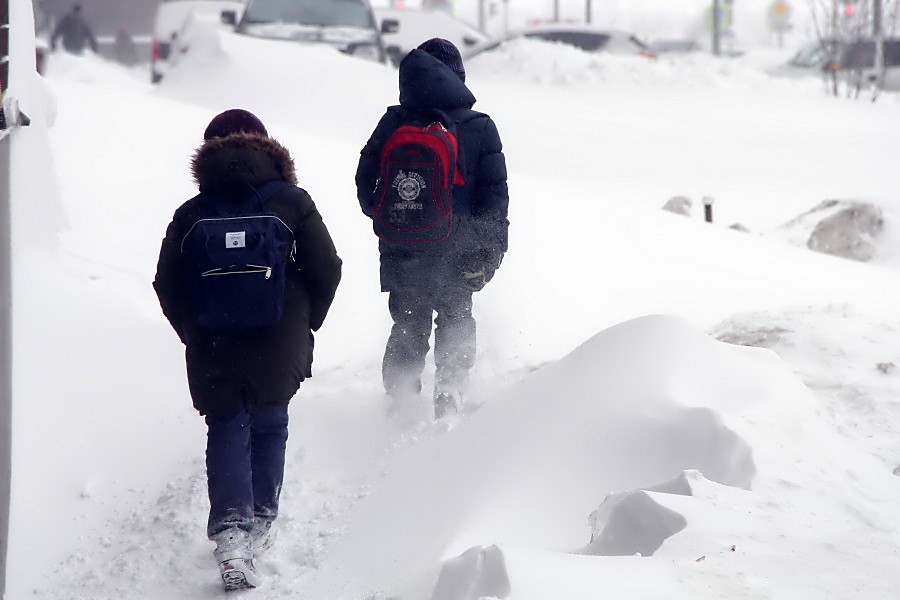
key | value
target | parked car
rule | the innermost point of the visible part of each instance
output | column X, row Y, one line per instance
column 852, row 62
column 855, row 64
column 348, row 25
column 585, row 37
column 175, row 24
column 414, row 26
column 674, row 46
column 811, row 60
column 43, row 29
column 816, row 55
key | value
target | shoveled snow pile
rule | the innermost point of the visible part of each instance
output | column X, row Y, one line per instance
column 843, row 228
column 551, row 63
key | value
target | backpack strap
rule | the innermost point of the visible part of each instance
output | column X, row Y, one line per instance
column 427, row 116
column 269, row 189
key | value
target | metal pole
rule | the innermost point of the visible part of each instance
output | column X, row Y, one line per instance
column 707, row 209
column 556, row 11
column 878, row 33
column 717, row 27
column 505, row 17
column 877, row 18
column 5, row 360
column 482, row 19
column 588, row 17
column 5, row 305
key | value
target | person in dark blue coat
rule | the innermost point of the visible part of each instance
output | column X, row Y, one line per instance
column 424, row 279
column 242, row 380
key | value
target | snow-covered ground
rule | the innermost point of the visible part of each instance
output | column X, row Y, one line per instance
column 662, row 407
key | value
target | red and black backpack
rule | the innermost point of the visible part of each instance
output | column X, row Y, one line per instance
column 414, row 193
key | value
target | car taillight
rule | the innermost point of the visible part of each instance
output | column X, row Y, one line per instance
column 647, row 54
column 155, row 52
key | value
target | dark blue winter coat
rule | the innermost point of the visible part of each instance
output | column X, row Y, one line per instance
column 480, row 239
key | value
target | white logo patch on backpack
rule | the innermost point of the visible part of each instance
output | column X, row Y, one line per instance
column 236, row 239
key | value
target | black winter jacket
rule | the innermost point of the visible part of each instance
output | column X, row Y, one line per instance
column 75, row 32
column 227, row 370
column 481, row 204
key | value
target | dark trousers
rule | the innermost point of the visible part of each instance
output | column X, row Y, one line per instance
column 454, row 339
column 245, row 466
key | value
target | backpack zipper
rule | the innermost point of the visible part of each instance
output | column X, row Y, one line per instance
column 248, row 270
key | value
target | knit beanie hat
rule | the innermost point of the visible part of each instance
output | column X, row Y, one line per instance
column 447, row 53
column 231, row 121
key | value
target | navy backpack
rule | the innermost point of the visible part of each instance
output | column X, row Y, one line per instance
column 237, row 262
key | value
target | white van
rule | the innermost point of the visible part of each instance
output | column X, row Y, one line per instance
column 177, row 22
column 348, row 25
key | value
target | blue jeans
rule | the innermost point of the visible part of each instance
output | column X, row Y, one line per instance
column 245, row 466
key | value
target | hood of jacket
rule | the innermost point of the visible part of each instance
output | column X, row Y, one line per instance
column 230, row 163
column 426, row 82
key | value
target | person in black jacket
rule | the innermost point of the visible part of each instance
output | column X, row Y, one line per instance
column 75, row 33
column 242, row 380
column 426, row 278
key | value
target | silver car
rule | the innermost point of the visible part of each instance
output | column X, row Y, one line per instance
column 348, row 25
column 585, row 37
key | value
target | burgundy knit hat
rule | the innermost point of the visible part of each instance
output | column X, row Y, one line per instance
column 447, row 53
column 232, row 121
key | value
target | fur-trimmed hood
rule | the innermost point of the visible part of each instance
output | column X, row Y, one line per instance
column 234, row 161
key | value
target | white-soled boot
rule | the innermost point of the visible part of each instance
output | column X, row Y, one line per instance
column 235, row 557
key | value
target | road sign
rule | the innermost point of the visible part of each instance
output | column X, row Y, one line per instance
column 725, row 13
column 780, row 13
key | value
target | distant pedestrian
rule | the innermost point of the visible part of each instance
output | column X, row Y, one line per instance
column 433, row 257
column 247, row 271
column 124, row 49
column 75, row 32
